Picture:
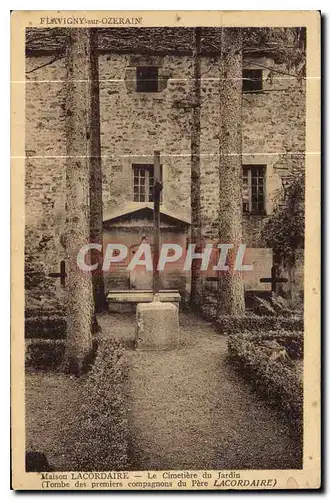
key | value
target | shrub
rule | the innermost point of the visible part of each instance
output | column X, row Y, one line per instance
column 292, row 341
column 40, row 311
column 262, row 307
column 280, row 304
column 284, row 231
column 274, row 319
column 48, row 325
column 274, row 380
column 99, row 435
column 253, row 323
column 47, row 354
column 44, row 354
column 274, row 305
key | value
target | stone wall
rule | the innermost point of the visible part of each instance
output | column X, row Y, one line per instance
column 44, row 181
column 134, row 125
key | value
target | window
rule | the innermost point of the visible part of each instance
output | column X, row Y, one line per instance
column 254, row 188
column 147, row 79
column 252, row 80
column 143, row 182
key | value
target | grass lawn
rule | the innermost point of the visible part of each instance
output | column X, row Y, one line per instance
column 53, row 400
column 80, row 423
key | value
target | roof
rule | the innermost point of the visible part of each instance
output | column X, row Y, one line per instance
column 148, row 40
column 131, row 208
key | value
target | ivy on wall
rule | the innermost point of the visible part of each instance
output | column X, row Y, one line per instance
column 285, row 229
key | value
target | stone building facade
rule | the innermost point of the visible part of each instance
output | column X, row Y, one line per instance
column 135, row 123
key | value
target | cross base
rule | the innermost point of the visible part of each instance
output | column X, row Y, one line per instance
column 157, row 326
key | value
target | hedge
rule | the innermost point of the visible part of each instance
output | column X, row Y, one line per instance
column 47, row 354
column 254, row 323
column 274, row 380
column 268, row 313
column 41, row 311
column 44, row 354
column 292, row 341
column 49, row 325
column 98, row 437
column 45, row 326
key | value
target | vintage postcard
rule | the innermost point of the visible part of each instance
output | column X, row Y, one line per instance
column 165, row 250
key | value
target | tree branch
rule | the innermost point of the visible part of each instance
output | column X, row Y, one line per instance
column 244, row 49
column 46, row 64
column 275, row 70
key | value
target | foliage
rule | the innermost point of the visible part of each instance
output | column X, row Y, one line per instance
column 263, row 307
column 285, row 229
column 274, row 380
column 36, row 244
column 50, row 325
column 261, row 324
column 44, row 354
column 39, row 286
column 285, row 45
column 277, row 305
column 99, row 434
column 292, row 341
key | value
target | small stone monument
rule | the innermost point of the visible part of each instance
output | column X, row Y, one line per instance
column 157, row 322
column 157, row 325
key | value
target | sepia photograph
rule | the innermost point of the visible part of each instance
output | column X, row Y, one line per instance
column 165, row 191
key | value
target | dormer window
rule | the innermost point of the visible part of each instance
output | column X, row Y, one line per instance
column 147, row 79
column 252, row 80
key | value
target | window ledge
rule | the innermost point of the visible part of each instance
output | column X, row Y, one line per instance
column 248, row 92
column 147, row 204
column 254, row 214
column 146, row 95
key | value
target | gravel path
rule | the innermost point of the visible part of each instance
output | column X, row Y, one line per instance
column 190, row 410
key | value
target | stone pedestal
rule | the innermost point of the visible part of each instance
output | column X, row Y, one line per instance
column 157, row 326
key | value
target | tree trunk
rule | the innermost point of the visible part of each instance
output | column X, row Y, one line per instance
column 196, row 280
column 96, row 226
column 79, row 283
column 231, row 285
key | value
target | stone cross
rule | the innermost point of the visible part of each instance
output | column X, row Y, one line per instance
column 62, row 274
column 157, row 322
column 274, row 279
column 157, row 188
